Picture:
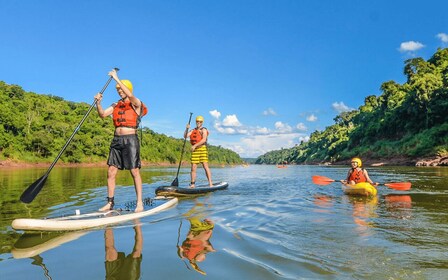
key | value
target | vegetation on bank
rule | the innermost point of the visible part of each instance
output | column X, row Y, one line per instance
column 405, row 120
column 35, row 127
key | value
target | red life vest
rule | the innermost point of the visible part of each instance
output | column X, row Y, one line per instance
column 196, row 135
column 124, row 114
column 357, row 176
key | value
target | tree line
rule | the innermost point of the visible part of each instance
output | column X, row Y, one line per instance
column 35, row 127
column 406, row 120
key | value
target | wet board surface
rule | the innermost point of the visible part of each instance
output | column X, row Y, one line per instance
column 91, row 220
column 171, row 191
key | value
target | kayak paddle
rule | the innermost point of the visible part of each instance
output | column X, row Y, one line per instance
column 400, row 186
column 32, row 191
column 175, row 183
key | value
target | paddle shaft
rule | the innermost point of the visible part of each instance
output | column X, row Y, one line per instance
column 78, row 127
column 183, row 149
column 31, row 192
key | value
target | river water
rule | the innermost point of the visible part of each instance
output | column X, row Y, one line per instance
column 271, row 223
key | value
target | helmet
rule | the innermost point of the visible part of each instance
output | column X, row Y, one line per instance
column 357, row 160
column 199, row 118
column 127, row 83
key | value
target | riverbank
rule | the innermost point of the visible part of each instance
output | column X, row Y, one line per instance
column 396, row 161
column 400, row 161
column 8, row 163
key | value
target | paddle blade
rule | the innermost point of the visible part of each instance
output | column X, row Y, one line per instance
column 32, row 191
column 322, row 180
column 175, row 183
column 402, row 186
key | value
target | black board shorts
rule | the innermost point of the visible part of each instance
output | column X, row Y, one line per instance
column 125, row 152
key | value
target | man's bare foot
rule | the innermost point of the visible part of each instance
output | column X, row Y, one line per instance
column 192, row 185
column 107, row 207
column 139, row 207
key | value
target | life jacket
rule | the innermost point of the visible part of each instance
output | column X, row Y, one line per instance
column 357, row 176
column 124, row 114
column 196, row 135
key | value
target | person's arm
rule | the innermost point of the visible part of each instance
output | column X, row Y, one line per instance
column 187, row 131
column 134, row 100
column 346, row 179
column 368, row 178
column 101, row 112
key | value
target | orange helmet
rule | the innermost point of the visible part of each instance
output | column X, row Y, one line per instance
column 358, row 161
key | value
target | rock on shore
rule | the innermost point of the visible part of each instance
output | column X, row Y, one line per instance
column 438, row 161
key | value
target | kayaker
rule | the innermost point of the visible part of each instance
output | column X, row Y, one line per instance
column 199, row 154
column 125, row 147
column 357, row 174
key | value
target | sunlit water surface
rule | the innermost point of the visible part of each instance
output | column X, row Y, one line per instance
column 271, row 223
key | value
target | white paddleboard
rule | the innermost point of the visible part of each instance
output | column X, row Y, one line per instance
column 86, row 221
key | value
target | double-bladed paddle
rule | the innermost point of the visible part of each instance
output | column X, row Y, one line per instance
column 400, row 186
column 32, row 191
column 175, row 183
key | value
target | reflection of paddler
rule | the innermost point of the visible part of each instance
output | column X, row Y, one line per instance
column 363, row 209
column 197, row 244
column 119, row 266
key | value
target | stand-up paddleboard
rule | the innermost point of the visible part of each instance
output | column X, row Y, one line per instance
column 91, row 220
column 363, row 189
column 172, row 191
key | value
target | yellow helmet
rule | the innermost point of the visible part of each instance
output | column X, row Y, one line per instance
column 199, row 118
column 358, row 161
column 127, row 83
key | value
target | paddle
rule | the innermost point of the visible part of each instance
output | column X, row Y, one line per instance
column 400, row 186
column 32, row 191
column 175, row 183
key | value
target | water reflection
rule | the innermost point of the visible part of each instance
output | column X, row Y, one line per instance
column 118, row 265
column 197, row 242
column 363, row 209
column 31, row 245
column 399, row 206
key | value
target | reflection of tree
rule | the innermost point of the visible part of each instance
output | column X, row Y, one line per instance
column 197, row 243
column 119, row 266
column 39, row 261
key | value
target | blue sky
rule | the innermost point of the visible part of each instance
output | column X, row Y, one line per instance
column 264, row 74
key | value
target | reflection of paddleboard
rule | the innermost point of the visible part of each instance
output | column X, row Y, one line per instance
column 90, row 220
column 170, row 191
column 30, row 245
column 364, row 189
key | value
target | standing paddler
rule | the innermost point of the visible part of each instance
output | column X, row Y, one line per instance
column 125, row 147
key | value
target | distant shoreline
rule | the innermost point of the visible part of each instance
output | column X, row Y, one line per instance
column 20, row 164
column 397, row 161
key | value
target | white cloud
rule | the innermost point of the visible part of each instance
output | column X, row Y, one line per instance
column 215, row 114
column 254, row 146
column 301, row 127
column 443, row 37
column 341, row 107
column 224, row 130
column 283, row 127
column 261, row 130
column 311, row 118
column 231, row 120
column 410, row 46
column 269, row 112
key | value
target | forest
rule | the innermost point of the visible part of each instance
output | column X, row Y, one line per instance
column 408, row 120
column 35, row 127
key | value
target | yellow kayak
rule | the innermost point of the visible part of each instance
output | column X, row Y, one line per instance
column 364, row 189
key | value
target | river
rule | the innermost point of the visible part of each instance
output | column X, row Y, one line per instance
column 271, row 223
